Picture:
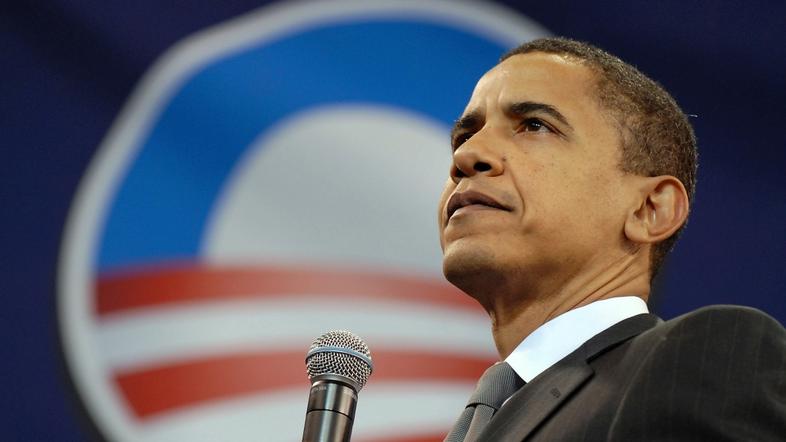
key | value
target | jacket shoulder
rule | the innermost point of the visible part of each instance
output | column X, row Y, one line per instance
column 739, row 341
column 717, row 323
column 716, row 372
column 734, row 312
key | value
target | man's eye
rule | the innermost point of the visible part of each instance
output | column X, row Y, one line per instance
column 534, row 125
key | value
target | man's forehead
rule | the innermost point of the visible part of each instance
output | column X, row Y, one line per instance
column 532, row 76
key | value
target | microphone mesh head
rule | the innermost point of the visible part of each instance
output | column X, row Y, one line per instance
column 342, row 353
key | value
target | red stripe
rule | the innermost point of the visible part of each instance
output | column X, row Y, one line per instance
column 165, row 388
column 155, row 287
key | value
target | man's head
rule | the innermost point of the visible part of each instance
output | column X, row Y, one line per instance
column 656, row 137
column 587, row 161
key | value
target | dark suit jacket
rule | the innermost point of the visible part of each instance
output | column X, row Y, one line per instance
column 716, row 374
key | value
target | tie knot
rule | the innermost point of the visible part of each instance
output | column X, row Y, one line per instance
column 498, row 383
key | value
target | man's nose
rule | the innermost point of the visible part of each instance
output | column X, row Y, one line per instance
column 475, row 156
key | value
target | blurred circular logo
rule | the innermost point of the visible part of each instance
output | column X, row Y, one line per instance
column 271, row 178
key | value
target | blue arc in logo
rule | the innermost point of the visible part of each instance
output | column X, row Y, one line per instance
column 161, row 207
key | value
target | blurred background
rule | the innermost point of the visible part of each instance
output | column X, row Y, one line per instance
column 192, row 192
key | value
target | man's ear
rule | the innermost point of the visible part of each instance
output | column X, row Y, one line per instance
column 661, row 210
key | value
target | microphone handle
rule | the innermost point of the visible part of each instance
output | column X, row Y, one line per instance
column 330, row 412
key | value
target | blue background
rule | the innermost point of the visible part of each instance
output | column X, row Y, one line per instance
column 68, row 67
column 161, row 207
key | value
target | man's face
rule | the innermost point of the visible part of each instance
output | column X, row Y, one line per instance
column 535, row 175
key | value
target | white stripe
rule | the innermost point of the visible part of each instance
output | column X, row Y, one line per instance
column 386, row 409
column 168, row 334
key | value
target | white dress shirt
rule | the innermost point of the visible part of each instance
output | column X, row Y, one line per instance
column 558, row 337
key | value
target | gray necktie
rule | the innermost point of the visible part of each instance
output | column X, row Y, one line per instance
column 497, row 384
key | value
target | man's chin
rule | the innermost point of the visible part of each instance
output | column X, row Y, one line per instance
column 467, row 267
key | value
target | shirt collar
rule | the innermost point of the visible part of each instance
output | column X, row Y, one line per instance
column 558, row 337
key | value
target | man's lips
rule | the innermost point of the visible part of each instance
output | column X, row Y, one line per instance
column 471, row 197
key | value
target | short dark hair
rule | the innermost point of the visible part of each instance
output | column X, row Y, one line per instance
column 657, row 138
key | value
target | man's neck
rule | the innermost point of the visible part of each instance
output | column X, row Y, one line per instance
column 515, row 316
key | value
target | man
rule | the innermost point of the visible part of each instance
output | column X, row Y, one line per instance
column 572, row 175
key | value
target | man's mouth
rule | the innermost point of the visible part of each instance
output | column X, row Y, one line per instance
column 472, row 198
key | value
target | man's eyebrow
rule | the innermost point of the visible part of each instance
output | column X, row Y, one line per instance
column 527, row 107
column 467, row 121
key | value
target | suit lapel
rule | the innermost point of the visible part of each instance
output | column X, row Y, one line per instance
column 533, row 403
column 537, row 400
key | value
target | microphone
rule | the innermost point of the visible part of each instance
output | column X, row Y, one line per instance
column 338, row 365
